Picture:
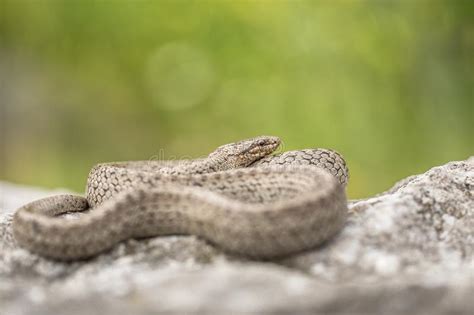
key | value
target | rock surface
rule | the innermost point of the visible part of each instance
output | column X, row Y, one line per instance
column 406, row 251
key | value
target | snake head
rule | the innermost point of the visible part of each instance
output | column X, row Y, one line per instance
column 245, row 152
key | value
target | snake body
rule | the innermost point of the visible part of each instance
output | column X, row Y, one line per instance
column 240, row 198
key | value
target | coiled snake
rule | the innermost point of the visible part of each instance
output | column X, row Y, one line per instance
column 240, row 198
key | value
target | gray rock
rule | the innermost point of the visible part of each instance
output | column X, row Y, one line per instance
column 406, row 251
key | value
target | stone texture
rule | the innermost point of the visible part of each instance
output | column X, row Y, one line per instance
column 406, row 251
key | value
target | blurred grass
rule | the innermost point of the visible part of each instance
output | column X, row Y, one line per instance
column 387, row 83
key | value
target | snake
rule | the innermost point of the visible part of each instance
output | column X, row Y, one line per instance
column 243, row 198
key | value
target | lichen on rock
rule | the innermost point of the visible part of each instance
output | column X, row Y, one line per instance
column 408, row 250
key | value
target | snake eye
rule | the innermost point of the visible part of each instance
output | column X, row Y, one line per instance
column 261, row 142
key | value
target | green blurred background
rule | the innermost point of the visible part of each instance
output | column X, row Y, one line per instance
column 387, row 83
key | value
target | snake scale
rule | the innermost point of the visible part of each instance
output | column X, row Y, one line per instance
column 241, row 198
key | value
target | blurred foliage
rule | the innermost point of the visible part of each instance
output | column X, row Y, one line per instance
column 387, row 83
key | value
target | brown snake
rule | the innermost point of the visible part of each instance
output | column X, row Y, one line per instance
column 240, row 198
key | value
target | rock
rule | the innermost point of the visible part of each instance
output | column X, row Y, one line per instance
column 406, row 251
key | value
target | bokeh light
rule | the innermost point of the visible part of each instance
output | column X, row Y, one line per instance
column 389, row 84
column 179, row 76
